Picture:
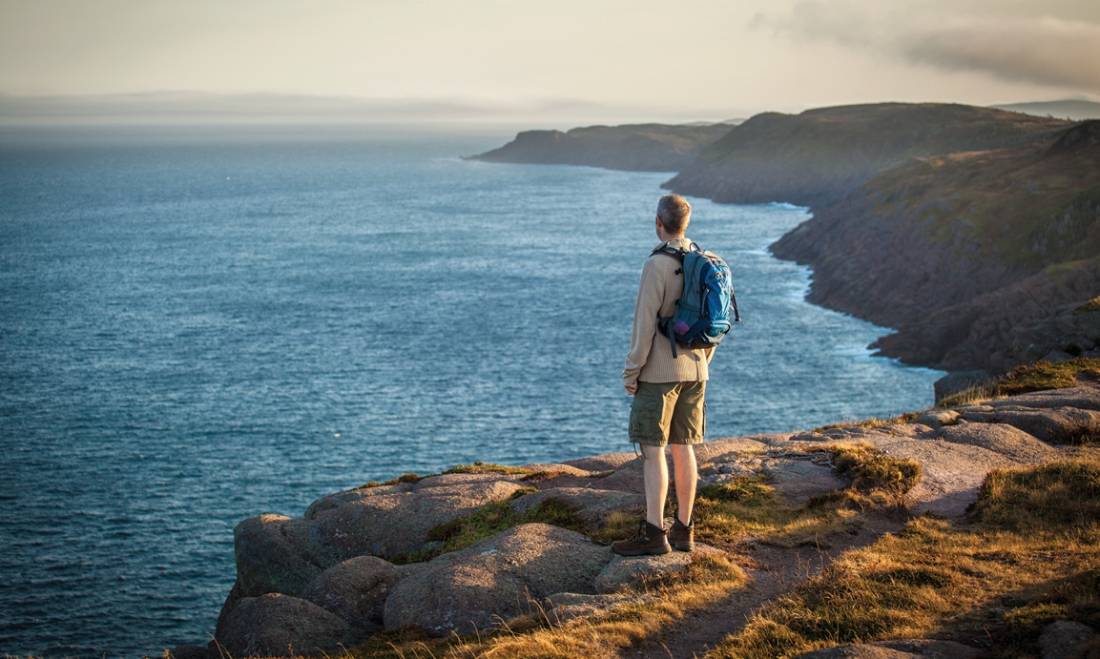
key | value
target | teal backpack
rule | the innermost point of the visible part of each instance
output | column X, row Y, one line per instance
column 707, row 308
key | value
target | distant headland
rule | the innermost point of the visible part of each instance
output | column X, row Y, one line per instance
column 973, row 232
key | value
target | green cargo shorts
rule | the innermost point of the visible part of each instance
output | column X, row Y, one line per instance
column 668, row 413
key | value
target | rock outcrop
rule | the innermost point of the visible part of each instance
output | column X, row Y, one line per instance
column 498, row 578
column 989, row 217
column 993, row 255
column 279, row 625
column 315, row 582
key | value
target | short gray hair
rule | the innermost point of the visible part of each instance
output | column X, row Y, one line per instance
column 674, row 212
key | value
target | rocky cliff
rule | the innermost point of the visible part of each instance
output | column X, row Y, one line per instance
column 979, row 259
column 819, row 155
column 514, row 562
column 643, row 147
column 972, row 231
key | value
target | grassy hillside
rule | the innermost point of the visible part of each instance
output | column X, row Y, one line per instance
column 643, row 147
column 973, row 256
column 817, row 156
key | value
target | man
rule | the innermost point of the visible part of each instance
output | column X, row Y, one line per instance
column 668, row 393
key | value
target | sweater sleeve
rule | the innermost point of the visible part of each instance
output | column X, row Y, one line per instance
column 651, row 293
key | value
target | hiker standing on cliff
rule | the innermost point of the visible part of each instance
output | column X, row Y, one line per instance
column 668, row 384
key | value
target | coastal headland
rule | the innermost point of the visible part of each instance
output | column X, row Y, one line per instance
column 972, row 232
column 969, row 529
column 965, row 530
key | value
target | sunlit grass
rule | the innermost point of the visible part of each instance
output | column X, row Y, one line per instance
column 1030, row 555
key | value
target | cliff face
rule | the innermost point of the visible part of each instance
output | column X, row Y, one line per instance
column 979, row 259
column 819, row 155
column 972, row 231
column 640, row 147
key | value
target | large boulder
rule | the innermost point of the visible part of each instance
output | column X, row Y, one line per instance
column 624, row 571
column 495, row 579
column 602, row 462
column 1001, row 438
column 279, row 625
column 800, row 476
column 951, row 473
column 937, row 418
column 452, row 482
column 275, row 554
column 1064, row 638
column 1057, row 425
column 1083, row 398
column 355, row 590
column 627, row 478
column 593, row 506
column 393, row 525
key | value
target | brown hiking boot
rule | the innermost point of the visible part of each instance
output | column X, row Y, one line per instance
column 682, row 537
column 649, row 541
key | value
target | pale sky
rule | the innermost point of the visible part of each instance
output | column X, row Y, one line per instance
column 690, row 58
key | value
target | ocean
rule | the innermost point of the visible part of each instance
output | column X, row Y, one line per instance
column 201, row 324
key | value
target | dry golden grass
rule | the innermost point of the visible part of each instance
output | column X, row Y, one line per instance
column 729, row 513
column 873, row 422
column 1030, row 555
column 1029, row 377
column 657, row 605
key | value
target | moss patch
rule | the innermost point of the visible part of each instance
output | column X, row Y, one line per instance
column 1002, row 575
column 486, row 468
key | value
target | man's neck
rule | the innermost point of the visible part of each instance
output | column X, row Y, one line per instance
column 671, row 239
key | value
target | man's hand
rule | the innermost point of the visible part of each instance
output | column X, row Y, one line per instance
column 631, row 387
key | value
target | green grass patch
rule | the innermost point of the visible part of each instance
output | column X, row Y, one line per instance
column 490, row 520
column 1029, row 555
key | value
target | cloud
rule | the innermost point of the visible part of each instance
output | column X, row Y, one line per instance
column 1022, row 43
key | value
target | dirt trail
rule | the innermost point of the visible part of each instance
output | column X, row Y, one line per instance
column 772, row 571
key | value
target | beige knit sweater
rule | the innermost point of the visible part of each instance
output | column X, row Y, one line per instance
column 650, row 357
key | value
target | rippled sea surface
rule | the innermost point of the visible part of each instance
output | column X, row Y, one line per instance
column 199, row 325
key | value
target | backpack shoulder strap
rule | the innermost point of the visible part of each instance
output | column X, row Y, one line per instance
column 669, row 250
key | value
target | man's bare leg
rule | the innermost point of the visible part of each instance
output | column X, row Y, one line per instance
column 655, row 471
column 686, row 475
